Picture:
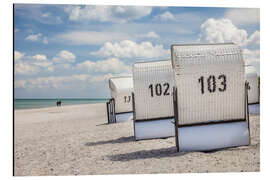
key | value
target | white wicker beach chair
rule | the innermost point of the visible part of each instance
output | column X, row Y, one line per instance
column 152, row 100
column 119, row 107
column 210, row 97
column 253, row 89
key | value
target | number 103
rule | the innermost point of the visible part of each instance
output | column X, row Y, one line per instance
column 212, row 83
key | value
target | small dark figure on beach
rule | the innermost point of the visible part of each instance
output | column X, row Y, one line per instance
column 58, row 103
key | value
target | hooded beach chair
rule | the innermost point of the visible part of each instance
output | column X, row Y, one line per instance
column 152, row 100
column 253, row 90
column 210, row 97
column 119, row 107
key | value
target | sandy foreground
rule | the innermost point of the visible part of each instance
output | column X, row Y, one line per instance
column 75, row 140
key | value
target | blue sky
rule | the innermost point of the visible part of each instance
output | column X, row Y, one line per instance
column 69, row 51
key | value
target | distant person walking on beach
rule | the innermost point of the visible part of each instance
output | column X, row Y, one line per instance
column 58, row 103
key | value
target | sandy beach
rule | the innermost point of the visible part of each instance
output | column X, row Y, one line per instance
column 76, row 140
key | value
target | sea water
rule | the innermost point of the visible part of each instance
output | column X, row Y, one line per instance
column 41, row 103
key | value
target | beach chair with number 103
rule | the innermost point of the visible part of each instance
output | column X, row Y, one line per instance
column 210, row 97
column 119, row 107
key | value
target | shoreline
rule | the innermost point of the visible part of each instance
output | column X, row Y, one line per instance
column 32, row 108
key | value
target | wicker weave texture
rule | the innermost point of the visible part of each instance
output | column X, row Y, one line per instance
column 252, row 79
column 153, row 82
column 121, row 89
column 210, row 83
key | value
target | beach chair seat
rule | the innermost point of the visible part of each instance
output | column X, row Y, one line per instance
column 210, row 97
column 119, row 107
column 152, row 100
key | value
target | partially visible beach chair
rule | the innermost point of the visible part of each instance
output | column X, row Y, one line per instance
column 253, row 90
column 119, row 107
column 152, row 100
column 210, row 97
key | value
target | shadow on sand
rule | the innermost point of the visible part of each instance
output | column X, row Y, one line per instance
column 113, row 141
column 145, row 154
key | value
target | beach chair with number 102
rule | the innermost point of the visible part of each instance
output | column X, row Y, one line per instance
column 119, row 107
column 152, row 100
column 210, row 97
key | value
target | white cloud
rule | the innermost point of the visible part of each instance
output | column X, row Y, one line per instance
column 17, row 30
column 166, row 16
column 130, row 49
column 18, row 55
column 25, row 68
column 106, row 13
column 33, row 37
column 64, row 57
column 29, row 65
column 39, row 57
column 243, row 16
column 150, row 34
column 223, row 30
column 220, row 31
column 90, row 37
column 113, row 65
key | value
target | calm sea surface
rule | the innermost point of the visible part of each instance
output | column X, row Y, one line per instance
column 41, row 103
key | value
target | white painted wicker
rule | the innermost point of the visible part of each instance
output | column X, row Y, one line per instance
column 210, row 82
column 253, row 90
column 121, row 89
column 153, row 82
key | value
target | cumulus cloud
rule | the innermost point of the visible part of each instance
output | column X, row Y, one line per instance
column 220, row 31
column 243, row 16
column 223, row 30
column 25, row 68
column 40, row 57
column 166, row 16
column 110, row 65
column 64, row 57
column 37, row 37
column 90, row 37
column 29, row 65
column 33, row 37
column 106, row 13
column 130, row 49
